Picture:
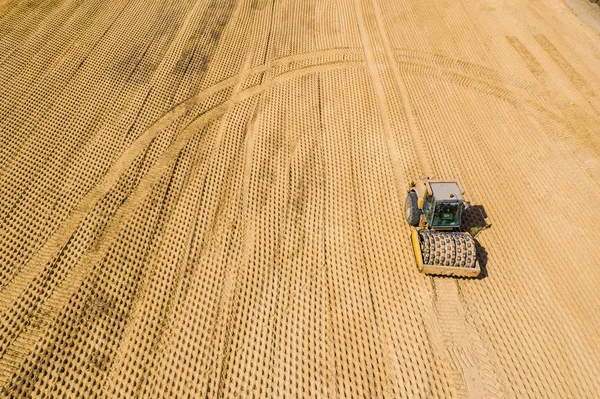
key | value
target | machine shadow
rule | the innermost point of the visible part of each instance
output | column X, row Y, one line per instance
column 474, row 222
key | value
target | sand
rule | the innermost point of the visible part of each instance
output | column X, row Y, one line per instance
column 205, row 198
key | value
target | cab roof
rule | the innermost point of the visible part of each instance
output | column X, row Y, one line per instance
column 446, row 190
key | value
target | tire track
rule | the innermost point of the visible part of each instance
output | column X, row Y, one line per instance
column 259, row 254
column 559, row 128
column 50, row 308
column 130, row 363
column 523, row 96
column 506, row 95
column 51, row 175
column 446, row 316
column 572, row 74
column 370, row 58
column 418, row 140
column 86, row 204
column 486, row 183
column 182, row 109
column 7, row 6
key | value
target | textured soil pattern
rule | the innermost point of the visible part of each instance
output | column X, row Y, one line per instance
column 203, row 198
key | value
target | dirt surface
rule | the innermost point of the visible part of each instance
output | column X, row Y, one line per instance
column 204, row 198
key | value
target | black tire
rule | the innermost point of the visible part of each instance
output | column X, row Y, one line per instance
column 412, row 213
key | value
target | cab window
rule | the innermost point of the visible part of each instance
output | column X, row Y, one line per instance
column 446, row 215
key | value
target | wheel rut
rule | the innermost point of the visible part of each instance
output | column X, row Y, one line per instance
column 452, row 336
column 203, row 198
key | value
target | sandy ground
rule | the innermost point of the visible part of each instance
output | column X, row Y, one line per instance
column 204, row 198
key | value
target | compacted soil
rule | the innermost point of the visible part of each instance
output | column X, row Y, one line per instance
column 204, row 198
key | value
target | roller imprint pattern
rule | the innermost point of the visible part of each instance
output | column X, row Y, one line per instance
column 204, row 198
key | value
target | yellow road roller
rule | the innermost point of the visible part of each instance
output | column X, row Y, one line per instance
column 434, row 209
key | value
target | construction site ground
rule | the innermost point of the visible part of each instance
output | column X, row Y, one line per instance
column 204, row 198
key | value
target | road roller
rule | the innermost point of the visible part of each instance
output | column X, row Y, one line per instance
column 434, row 209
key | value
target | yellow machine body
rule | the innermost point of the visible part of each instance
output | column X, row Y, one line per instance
column 441, row 249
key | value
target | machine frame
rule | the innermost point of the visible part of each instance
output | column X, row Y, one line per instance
column 443, row 191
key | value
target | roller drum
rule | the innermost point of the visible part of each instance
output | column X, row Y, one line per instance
column 453, row 249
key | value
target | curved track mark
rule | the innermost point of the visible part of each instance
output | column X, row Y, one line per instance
column 56, row 242
column 59, row 238
column 23, row 344
column 528, row 106
column 480, row 72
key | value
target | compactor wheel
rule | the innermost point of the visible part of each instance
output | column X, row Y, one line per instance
column 447, row 249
